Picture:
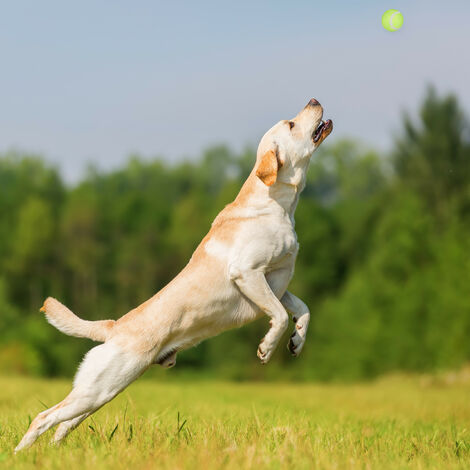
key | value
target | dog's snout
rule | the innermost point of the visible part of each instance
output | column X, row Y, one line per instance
column 313, row 102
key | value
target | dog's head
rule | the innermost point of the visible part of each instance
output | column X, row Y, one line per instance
column 288, row 145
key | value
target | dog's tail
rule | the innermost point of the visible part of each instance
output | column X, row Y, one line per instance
column 64, row 320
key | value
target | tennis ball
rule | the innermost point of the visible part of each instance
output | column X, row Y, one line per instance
column 392, row 20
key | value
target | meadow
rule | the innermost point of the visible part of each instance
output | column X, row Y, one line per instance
column 396, row 422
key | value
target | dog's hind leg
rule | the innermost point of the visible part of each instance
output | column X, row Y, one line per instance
column 73, row 405
column 105, row 372
column 66, row 427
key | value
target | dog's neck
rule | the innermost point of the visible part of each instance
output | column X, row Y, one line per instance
column 288, row 186
column 283, row 194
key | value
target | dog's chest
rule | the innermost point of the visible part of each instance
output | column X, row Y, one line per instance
column 285, row 243
column 265, row 243
column 280, row 245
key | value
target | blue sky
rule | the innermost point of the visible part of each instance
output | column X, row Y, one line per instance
column 93, row 81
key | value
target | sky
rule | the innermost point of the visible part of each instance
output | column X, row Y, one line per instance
column 95, row 81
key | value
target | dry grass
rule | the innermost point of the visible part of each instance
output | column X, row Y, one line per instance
column 398, row 422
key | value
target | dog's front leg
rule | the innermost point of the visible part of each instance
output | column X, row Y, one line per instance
column 253, row 285
column 301, row 317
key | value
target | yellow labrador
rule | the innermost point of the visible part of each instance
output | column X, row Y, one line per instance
column 238, row 273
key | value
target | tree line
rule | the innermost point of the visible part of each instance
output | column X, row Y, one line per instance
column 384, row 259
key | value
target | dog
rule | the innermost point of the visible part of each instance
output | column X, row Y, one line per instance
column 238, row 273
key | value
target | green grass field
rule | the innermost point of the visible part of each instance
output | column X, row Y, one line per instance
column 396, row 422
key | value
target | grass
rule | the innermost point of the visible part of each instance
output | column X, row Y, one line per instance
column 394, row 423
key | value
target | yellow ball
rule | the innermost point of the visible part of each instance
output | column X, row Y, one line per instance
column 392, row 20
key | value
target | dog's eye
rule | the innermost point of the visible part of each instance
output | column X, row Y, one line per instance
column 291, row 124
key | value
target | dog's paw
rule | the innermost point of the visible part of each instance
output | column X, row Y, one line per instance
column 295, row 344
column 264, row 353
column 297, row 339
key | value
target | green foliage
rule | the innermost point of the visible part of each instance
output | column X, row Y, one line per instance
column 383, row 262
column 433, row 157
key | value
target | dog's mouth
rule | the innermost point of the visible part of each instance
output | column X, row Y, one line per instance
column 323, row 130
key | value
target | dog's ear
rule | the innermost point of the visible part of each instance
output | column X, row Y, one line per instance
column 268, row 167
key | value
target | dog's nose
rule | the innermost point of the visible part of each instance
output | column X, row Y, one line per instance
column 313, row 102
